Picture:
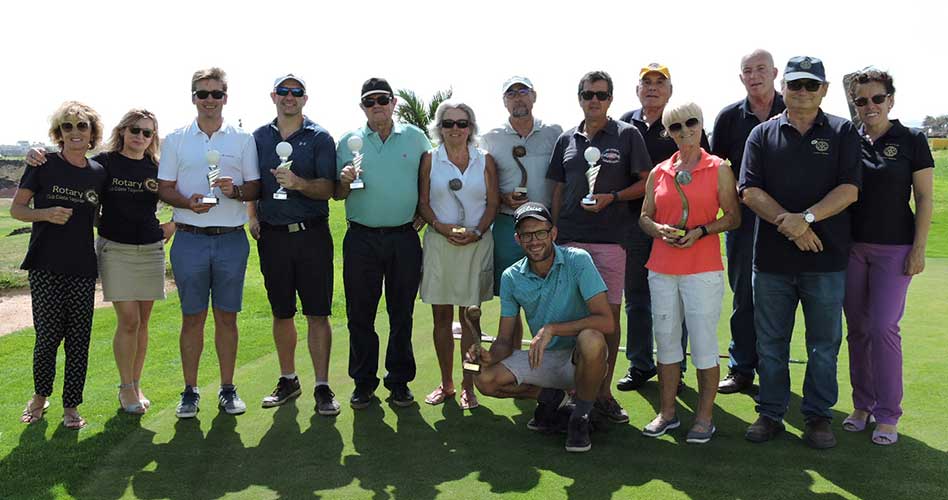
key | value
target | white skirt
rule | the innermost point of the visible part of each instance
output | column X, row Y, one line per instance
column 453, row 275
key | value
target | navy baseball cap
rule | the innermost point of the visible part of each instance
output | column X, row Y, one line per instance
column 532, row 210
column 801, row 67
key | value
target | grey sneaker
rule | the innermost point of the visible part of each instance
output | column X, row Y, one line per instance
column 188, row 407
column 659, row 426
column 612, row 410
column 700, row 433
column 229, row 401
column 326, row 404
column 286, row 389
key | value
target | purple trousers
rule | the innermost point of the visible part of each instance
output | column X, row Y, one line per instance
column 875, row 301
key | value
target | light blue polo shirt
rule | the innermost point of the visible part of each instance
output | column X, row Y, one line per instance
column 558, row 298
column 390, row 173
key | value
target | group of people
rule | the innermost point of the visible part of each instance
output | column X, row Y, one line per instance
column 558, row 224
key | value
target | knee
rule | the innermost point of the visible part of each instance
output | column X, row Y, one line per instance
column 128, row 324
column 591, row 346
column 486, row 382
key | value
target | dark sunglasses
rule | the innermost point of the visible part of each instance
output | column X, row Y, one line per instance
column 382, row 100
column 602, row 95
column 876, row 99
column 452, row 123
column 691, row 122
column 283, row 91
column 67, row 126
column 510, row 94
column 146, row 132
column 540, row 235
column 810, row 85
column 216, row 94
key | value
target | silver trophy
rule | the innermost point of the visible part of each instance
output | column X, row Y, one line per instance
column 213, row 159
column 455, row 185
column 520, row 192
column 592, row 155
column 283, row 150
column 355, row 145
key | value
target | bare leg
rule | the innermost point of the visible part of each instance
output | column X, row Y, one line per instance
column 612, row 342
column 284, row 337
column 225, row 339
column 319, row 337
column 668, row 376
column 125, row 347
column 192, row 344
column 707, row 390
column 444, row 343
column 467, row 340
column 144, row 315
column 591, row 363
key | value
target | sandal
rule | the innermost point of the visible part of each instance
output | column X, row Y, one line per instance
column 438, row 396
column 136, row 408
column 141, row 397
column 852, row 424
column 884, row 438
column 73, row 421
column 468, row 399
column 29, row 415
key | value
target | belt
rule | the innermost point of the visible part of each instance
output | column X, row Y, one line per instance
column 209, row 231
column 294, row 227
column 381, row 230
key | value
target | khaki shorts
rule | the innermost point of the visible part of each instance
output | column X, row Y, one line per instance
column 131, row 272
column 556, row 371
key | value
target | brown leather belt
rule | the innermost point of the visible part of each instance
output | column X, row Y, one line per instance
column 209, row 231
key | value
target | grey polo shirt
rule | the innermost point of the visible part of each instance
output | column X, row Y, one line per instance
column 500, row 143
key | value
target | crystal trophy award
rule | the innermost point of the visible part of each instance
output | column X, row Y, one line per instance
column 472, row 317
column 213, row 159
column 283, row 150
column 592, row 155
column 455, row 185
column 520, row 192
column 355, row 145
column 682, row 178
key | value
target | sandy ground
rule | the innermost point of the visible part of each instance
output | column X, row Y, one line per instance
column 16, row 309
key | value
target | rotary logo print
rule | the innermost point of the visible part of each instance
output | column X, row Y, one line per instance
column 820, row 145
column 890, row 151
column 151, row 185
column 92, row 197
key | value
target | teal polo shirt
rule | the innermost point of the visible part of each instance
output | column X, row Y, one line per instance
column 390, row 173
column 558, row 298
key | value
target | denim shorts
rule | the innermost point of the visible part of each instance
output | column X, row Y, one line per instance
column 212, row 265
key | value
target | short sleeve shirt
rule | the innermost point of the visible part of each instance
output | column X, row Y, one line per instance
column 558, row 298
column 390, row 174
column 500, row 143
column 882, row 214
column 623, row 156
column 797, row 171
column 732, row 126
column 313, row 157
column 184, row 160
column 130, row 200
column 64, row 248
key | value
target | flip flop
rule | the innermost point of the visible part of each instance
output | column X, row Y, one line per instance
column 884, row 438
column 73, row 422
column 438, row 396
column 468, row 400
column 28, row 416
column 851, row 424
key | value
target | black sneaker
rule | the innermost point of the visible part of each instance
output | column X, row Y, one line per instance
column 402, row 396
column 577, row 434
column 361, row 398
column 326, row 403
column 229, row 401
column 190, row 399
column 634, row 379
column 611, row 409
column 286, row 389
column 544, row 416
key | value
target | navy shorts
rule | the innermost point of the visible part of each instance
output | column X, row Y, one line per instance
column 212, row 265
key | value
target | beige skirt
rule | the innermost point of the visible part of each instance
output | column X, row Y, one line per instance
column 461, row 276
column 131, row 272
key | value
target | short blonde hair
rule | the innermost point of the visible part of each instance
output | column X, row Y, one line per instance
column 214, row 73
column 80, row 111
column 435, row 128
column 117, row 140
column 680, row 113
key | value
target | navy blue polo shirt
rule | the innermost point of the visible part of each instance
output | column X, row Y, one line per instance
column 732, row 126
column 314, row 157
column 883, row 214
column 798, row 171
column 624, row 155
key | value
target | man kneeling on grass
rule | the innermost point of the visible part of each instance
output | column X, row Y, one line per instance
column 564, row 301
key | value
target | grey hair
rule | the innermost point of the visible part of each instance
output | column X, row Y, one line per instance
column 435, row 127
column 680, row 113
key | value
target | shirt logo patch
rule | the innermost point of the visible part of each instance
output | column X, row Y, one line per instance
column 92, row 197
column 151, row 185
column 891, row 151
column 820, row 145
column 611, row 155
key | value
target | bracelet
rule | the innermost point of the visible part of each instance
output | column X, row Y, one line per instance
column 704, row 231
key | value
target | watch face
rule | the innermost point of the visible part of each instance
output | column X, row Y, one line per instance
column 809, row 218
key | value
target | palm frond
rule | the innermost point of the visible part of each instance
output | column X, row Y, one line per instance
column 411, row 109
column 436, row 100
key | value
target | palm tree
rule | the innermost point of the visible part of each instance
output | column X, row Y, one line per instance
column 412, row 109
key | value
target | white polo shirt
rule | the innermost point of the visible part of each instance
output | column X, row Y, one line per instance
column 184, row 160
column 539, row 143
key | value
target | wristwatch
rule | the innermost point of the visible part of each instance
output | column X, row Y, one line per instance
column 808, row 216
column 477, row 232
column 704, row 230
column 615, row 196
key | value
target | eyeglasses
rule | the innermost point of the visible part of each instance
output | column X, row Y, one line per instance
column 68, row 126
column 452, row 123
column 382, row 100
column 691, row 122
column 876, row 99
column 283, row 91
column 602, row 95
column 202, row 94
column 146, row 132
column 510, row 94
column 540, row 235
column 810, row 85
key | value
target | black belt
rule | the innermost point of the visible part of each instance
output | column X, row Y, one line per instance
column 294, row 227
column 209, row 231
column 381, row 230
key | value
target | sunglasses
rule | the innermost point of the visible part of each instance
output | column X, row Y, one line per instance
column 146, row 132
column 68, row 126
column 216, row 94
column 690, row 122
column 602, row 95
column 876, row 99
column 452, row 123
column 540, row 235
column 283, row 91
column 510, row 94
column 810, row 85
column 382, row 100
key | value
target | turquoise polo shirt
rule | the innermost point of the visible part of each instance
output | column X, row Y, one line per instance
column 558, row 298
column 390, row 173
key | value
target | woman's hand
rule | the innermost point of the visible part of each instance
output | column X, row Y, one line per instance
column 35, row 157
column 57, row 215
column 465, row 238
column 667, row 233
column 915, row 261
column 689, row 238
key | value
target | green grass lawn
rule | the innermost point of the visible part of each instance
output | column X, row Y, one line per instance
column 426, row 452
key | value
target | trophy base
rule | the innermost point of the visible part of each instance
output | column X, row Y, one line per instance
column 209, row 200
column 471, row 367
column 458, row 230
column 588, row 201
column 520, row 193
column 279, row 196
column 681, row 232
column 357, row 184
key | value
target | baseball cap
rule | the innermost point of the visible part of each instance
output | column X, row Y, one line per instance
column 289, row 76
column 513, row 80
column 655, row 68
column 801, row 67
column 532, row 210
column 376, row 86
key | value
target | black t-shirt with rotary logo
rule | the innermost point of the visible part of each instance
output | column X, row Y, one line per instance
column 883, row 214
column 129, row 200
column 64, row 248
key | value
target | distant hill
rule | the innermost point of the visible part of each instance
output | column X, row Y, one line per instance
column 10, row 172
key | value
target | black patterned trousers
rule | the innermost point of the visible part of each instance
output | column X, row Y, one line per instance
column 62, row 312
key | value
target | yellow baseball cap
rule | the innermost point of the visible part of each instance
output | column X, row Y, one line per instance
column 655, row 68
